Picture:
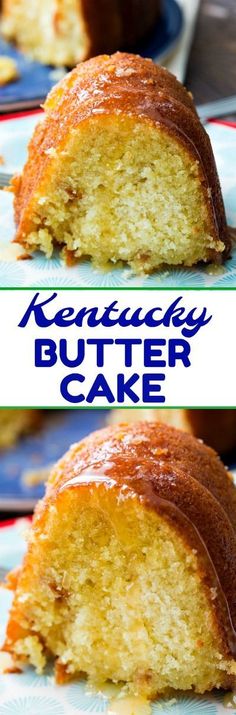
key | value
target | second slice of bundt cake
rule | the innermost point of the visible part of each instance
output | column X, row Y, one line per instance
column 130, row 573
column 64, row 32
column 121, row 170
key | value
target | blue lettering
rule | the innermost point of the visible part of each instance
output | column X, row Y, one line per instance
column 45, row 354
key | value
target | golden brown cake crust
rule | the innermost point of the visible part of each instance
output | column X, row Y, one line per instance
column 120, row 84
column 217, row 428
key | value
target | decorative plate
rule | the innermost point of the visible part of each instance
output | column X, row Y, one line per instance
column 32, row 694
column 40, row 272
column 38, row 451
column 36, row 79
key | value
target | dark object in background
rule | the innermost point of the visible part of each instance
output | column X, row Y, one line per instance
column 217, row 428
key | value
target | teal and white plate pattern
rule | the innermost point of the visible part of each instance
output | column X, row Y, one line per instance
column 14, row 137
column 32, row 694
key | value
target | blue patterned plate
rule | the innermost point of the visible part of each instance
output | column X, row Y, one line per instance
column 14, row 137
column 32, row 694
column 36, row 80
column 34, row 83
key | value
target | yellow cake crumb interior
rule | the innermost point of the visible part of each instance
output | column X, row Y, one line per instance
column 124, row 190
column 116, row 594
column 50, row 32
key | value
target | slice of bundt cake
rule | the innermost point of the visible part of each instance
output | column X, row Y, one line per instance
column 130, row 573
column 64, row 32
column 121, row 169
column 217, row 428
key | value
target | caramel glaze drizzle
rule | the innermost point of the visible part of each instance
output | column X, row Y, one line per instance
column 97, row 474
